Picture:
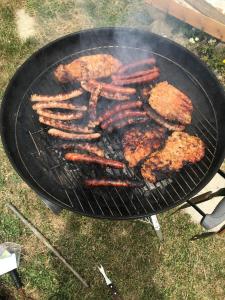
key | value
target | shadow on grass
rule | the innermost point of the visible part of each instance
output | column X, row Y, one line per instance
column 5, row 293
column 128, row 250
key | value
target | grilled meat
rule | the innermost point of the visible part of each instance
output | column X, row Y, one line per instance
column 146, row 77
column 60, row 116
column 58, row 104
column 180, row 148
column 121, row 116
column 115, row 96
column 112, row 182
column 108, row 91
column 90, row 148
column 91, row 159
column 128, row 67
column 93, row 107
column 138, row 74
column 171, row 103
column 110, row 88
column 64, row 125
column 161, row 121
column 59, row 97
column 139, row 143
column 88, row 67
column 126, row 122
column 72, row 136
column 117, row 108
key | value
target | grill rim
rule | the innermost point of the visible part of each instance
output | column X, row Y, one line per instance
column 23, row 173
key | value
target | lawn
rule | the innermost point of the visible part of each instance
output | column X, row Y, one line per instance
column 141, row 267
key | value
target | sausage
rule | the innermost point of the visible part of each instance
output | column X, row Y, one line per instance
column 111, row 182
column 117, row 108
column 128, row 121
column 55, row 104
column 108, row 95
column 161, row 121
column 59, row 97
column 122, row 115
column 90, row 159
column 64, row 125
column 94, row 149
column 114, row 96
column 134, row 75
column 93, row 105
column 141, row 79
column 107, row 87
column 72, row 136
column 147, row 61
column 58, row 115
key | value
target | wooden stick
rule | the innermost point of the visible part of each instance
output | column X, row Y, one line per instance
column 41, row 237
column 207, row 9
column 190, row 16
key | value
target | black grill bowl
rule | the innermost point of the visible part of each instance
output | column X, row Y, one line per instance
column 30, row 149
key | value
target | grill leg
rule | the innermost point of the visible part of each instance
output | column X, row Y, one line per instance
column 53, row 207
column 153, row 221
column 156, row 225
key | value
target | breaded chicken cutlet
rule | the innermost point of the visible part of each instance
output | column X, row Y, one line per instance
column 180, row 148
column 171, row 103
column 138, row 143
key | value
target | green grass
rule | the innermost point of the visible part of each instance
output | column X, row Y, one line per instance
column 141, row 267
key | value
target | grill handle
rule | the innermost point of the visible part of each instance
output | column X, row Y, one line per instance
column 114, row 293
column 216, row 217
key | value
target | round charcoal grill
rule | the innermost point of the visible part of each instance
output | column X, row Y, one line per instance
column 32, row 151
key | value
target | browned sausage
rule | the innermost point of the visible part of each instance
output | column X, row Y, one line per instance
column 107, row 87
column 59, row 97
column 161, row 121
column 90, row 159
column 122, row 115
column 119, row 107
column 111, row 182
column 64, row 125
column 143, row 62
column 141, row 79
column 72, row 136
column 128, row 121
column 93, row 105
column 55, row 104
column 134, row 75
column 115, row 96
column 94, row 149
column 59, row 116
column 108, row 95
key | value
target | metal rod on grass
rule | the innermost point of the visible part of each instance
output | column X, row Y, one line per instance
column 40, row 236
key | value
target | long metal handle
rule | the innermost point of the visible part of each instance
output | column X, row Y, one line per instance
column 216, row 217
column 45, row 241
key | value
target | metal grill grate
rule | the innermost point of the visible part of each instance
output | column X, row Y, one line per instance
column 112, row 202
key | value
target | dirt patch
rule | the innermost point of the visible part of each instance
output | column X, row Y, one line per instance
column 119, row 232
column 34, row 293
column 30, row 246
column 86, row 228
column 62, row 24
column 58, row 223
column 26, row 25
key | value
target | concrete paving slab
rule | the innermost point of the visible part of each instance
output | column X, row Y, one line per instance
column 215, row 184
